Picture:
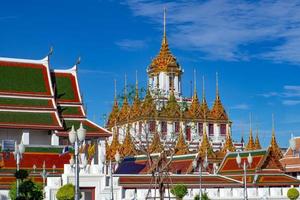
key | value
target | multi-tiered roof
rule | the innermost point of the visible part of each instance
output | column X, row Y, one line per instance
column 27, row 98
column 34, row 97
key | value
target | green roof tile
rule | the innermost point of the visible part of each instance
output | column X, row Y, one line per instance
column 64, row 88
column 70, row 110
column 27, row 118
column 88, row 126
column 22, row 79
column 21, row 102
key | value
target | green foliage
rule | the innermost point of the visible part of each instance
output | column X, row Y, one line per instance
column 179, row 191
column 66, row 192
column 21, row 174
column 203, row 197
column 293, row 194
column 28, row 190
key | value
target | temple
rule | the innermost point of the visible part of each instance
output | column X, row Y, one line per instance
column 165, row 110
column 38, row 107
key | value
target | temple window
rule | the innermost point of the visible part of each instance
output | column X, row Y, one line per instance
column 164, row 127
column 157, row 81
column 200, row 129
column 223, row 129
column 176, row 127
column 188, row 133
column 152, row 125
column 171, row 82
column 211, row 129
column 140, row 127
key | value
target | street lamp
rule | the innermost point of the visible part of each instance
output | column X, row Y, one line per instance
column 117, row 158
column 245, row 166
column 76, row 138
column 44, row 174
column 203, row 164
column 19, row 150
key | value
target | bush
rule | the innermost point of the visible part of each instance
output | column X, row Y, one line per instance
column 179, row 191
column 203, row 197
column 66, row 192
column 21, row 174
column 28, row 190
column 293, row 194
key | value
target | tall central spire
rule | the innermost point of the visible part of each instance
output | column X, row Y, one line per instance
column 165, row 35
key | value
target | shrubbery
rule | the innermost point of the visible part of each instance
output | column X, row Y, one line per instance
column 179, row 191
column 293, row 194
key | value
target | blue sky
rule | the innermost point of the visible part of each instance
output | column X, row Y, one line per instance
column 253, row 45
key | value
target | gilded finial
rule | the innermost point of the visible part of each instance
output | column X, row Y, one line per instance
column 274, row 146
column 165, row 35
column 228, row 145
column 257, row 143
column 250, row 145
column 125, row 85
column 181, row 148
column 203, row 89
column 195, row 82
column 128, row 147
column 217, row 86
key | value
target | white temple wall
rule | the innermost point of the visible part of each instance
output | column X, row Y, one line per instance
column 41, row 137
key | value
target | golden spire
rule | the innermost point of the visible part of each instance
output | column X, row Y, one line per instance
column 164, row 61
column 114, row 146
column 107, row 150
column 228, row 145
column 181, row 147
column 217, row 86
column 135, row 108
column 274, row 146
column 128, row 147
column 204, row 107
column 165, row 35
column 172, row 108
column 257, row 143
column 195, row 111
column 250, row 145
column 218, row 112
column 155, row 146
column 205, row 146
column 112, row 118
column 148, row 106
column 125, row 109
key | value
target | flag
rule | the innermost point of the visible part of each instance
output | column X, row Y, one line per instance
column 65, row 150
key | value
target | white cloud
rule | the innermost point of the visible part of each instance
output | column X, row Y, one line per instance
column 242, row 106
column 290, row 96
column 131, row 45
column 221, row 29
column 290, row 102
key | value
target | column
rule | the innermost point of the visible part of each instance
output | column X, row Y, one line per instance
column 54, row 139
column 25, row 137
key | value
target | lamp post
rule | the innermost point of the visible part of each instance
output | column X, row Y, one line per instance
column 44, row 174
column 76, row 138
column 19, row 150
column 203, row 164
column 245, row 166
column 117, row 158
